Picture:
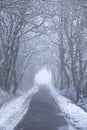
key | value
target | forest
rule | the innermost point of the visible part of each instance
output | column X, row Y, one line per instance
column 48, row 36
column 51, row 33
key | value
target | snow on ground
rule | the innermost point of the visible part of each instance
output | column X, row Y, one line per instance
column 76, row 115
column 4, row 97
column 83, row 103
column 12, row 113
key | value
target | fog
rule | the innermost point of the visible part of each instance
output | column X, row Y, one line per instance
column 43, row 76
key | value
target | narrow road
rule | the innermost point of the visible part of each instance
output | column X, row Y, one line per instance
column 43, row 113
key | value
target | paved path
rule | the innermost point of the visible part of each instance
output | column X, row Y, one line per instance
column 43, row 113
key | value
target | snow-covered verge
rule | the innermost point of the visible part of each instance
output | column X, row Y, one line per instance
column 76, row 115
column 12, row 113
column 4, row 97
column 71, row 94
column 83, row 103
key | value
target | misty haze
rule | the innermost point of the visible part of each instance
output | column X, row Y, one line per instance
column 43, row 64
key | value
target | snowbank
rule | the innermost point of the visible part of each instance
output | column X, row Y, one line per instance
column 83, row 103
column 12, row 113
column 76, row 115
column 4, row 97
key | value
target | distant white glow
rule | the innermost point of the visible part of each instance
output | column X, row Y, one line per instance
column 43, row 77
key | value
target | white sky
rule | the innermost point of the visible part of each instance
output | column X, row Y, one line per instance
column 43, row 77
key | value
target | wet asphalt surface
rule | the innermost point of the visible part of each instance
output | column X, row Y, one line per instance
column 43, row 113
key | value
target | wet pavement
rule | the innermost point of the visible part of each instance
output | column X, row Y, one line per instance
column 43, row 113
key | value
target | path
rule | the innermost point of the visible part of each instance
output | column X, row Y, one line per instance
column 43, row 113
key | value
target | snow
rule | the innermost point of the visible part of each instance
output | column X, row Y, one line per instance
column 77, row 116
column 83, row 103
column 4, row 97
column 12, row 113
